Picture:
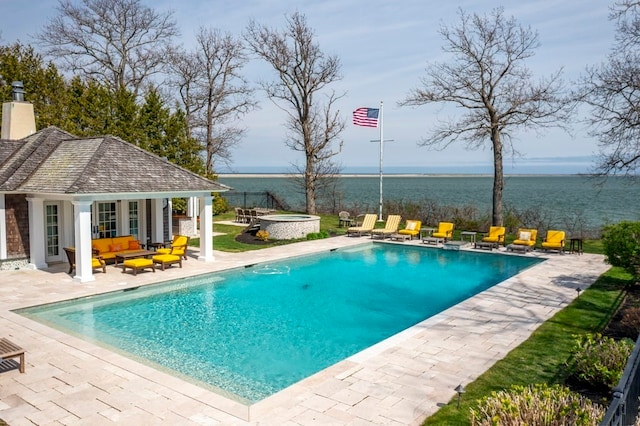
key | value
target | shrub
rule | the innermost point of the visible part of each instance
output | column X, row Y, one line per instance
column 220, row 205
column 262, row 235
column 317, row 235
column 536, row 405
column 621, row 244
column 599, row 360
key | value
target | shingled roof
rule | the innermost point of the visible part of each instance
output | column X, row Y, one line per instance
column 54, row 161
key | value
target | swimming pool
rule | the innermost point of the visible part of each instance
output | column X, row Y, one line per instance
column 254, row 331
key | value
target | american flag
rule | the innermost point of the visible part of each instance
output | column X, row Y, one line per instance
column 367, row 117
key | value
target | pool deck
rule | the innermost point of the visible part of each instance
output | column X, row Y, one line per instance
column 399, row 381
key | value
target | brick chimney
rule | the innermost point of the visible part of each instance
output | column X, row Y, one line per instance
column 18, row 119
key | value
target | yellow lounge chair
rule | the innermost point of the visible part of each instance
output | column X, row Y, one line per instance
column 444, row 231
column 368, row 223
column 554, row 241
column 411, row 228
column 390, row 227
column 526, row 238
column 495, row 236
column 178, row 247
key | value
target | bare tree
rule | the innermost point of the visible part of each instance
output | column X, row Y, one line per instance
column 304, row 71
column 612, row 90
column 120, row 43
column 213, row 91
column 488, row 79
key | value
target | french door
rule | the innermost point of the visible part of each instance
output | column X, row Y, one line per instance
column 53, row 231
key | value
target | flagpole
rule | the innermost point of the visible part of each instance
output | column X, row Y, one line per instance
column 381, row 153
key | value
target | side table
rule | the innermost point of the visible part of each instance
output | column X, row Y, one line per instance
column 470, row 234
column 575, row 245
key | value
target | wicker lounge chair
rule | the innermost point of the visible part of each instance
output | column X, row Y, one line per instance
column 368, row 223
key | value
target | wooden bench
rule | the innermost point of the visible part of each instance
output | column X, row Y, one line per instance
column 11, row 350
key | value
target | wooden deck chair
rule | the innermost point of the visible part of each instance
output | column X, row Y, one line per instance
column 444, row 231
column 390, row 227
column 96, row 261
column 411, row 228
column 554, row 240
column 495, row 236
column 178, row 247
column 526, row 238
column 368, row 223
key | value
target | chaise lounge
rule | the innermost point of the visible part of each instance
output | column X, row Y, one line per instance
column 493, row 239
column 525, row 241
column 97, row 262
column 390, row 227
column 411, row 228
column 368, row 223
column 440, row 235
column 178, row 247
column 554, row 240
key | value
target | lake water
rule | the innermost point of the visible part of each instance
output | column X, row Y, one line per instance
column 563, row 196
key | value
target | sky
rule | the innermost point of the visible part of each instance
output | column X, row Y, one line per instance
column 384, row 48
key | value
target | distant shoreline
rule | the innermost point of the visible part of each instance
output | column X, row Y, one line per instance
column 391, row 175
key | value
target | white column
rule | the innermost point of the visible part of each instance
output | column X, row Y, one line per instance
column 206, row 229
column 82, row 221
column 192, row 212
column 37, row 240
column 3, row 228
column 157, row 221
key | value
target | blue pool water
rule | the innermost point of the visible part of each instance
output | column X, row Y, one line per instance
column 254, row 331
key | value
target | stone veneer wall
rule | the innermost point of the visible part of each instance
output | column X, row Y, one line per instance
column 287, row 230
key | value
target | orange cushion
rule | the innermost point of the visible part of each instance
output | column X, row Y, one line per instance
column 134, row 245
column 115, row 247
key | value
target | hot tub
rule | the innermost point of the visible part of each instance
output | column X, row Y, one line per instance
column 289, row 226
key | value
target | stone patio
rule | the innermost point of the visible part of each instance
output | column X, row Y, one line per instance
column 399, row 381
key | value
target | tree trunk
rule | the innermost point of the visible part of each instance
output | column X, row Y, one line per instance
column 310, row 187
column 498, row 178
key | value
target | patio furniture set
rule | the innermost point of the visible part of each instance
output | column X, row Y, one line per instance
column 135, row 257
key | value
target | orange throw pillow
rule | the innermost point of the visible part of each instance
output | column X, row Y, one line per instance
column 134, row 245
column 115, row 247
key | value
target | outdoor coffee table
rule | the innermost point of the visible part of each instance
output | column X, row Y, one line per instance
column 122, row 256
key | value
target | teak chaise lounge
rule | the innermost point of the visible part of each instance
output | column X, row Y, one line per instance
column 178, row 247
column 411, row 228
column 495, row 236
column 390, row 227
column 525, row 241
column 368, row 223
column 96, row 261
column 440, row 235
column 554, row 240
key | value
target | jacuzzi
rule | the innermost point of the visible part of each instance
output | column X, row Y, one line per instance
column 289, row 226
